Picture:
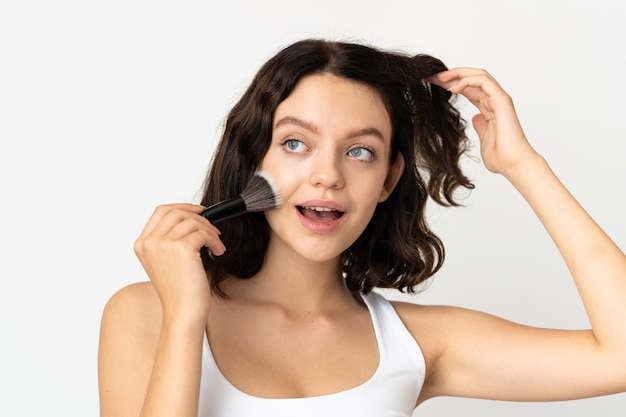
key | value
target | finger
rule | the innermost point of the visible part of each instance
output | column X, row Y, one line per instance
column 167, row 215
column 192, row 225
column 201, row 238
column 173, row 218
column 449, row 78
column 176, row 225
column 188, row 234
column 480, row 124
column 187, row 237
column 458, row 79
column 156, row 216
column 480, row 83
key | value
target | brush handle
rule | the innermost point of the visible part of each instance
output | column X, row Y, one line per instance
column 223, row 210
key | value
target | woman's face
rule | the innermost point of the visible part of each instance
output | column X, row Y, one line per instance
column 329, row 157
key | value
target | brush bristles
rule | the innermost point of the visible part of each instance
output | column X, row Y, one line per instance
column 260, row 194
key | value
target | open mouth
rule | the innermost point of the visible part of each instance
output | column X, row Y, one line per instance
column 320, row 214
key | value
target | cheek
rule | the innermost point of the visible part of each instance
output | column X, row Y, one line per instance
column 286, row 178
column 287, row 183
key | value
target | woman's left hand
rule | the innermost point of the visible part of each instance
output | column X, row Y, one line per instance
column 503, row 143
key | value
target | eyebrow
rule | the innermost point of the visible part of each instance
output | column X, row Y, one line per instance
column 294, row 121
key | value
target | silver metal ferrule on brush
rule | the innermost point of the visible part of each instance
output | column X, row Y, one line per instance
column 260, row 194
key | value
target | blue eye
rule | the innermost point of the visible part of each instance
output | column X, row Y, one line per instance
column 361, row 153
column 294, row 146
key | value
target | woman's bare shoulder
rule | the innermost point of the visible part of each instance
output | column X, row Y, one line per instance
column 413, row 314
column 132, row 314
column 129, row 334
column 138, row 301
column 142, row 292
column 438, row 323
column 422, row 321
column 432, row 326
column 414, row 311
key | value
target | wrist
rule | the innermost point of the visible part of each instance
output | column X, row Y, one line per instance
column 185, row 320
column 526, row 168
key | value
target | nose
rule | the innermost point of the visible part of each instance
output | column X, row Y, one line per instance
column 326, row 172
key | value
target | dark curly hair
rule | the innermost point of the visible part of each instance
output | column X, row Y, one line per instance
column 397, row 249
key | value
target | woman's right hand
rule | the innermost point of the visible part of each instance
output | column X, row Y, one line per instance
column 169, row 251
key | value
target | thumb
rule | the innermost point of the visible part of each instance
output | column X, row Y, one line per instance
column 480, row 124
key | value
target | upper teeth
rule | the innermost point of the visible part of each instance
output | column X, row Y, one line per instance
column 319, row 208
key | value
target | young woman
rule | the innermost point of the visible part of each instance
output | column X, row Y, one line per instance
column 273, row 313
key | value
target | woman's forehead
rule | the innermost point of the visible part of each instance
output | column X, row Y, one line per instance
column 326, row 100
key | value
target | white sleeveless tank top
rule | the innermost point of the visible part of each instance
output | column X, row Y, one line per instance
column 391, row 392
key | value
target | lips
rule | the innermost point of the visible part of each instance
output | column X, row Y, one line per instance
column 320, row 213
column 321, row 216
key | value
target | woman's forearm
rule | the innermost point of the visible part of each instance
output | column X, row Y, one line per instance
column 596, row 263
column 174, row 385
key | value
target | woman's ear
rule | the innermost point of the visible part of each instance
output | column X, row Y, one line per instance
column 393, row 176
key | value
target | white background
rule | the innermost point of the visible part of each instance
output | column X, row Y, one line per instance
column 110, row 108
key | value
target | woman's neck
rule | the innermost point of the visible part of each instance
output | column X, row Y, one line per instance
column 294, row 283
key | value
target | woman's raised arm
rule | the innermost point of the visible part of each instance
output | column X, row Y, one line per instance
column 483, row 356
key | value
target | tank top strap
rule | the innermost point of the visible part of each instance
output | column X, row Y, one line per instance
column 394, row 340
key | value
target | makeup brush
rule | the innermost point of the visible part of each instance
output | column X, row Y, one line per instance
column 260, row 194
